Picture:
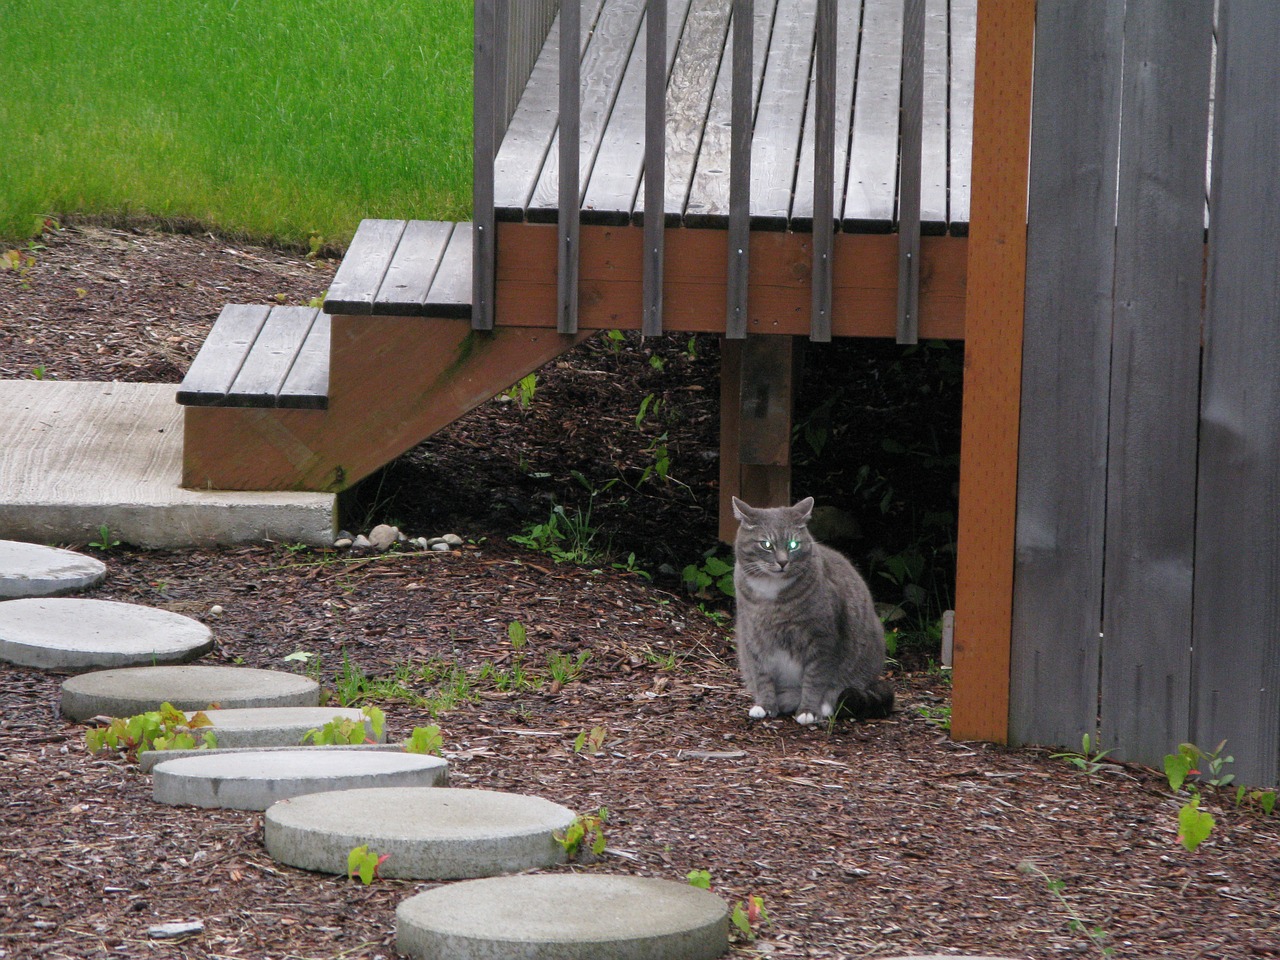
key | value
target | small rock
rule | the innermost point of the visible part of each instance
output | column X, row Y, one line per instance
column 441, row 547
column 452, row 539
column 343, row 542
column 171, row 931
column 421, row 543
column 361, row 543
column 384, row 535
column 215, row 610
column 346, row 535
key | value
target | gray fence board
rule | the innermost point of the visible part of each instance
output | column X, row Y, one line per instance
column 1236, row 664
column 1155, row 372
column 1057, row 604
column 657, row 69
column 489, row 78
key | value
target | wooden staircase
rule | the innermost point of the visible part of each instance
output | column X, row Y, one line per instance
column 292, row 398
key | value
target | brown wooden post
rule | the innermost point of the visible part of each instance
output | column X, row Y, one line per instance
column 757, row 388
column 993, row 369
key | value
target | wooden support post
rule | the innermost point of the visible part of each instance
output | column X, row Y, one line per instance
column 993, row 370
column 757, row 387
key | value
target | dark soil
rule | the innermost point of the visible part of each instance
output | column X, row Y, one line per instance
column 871, row 839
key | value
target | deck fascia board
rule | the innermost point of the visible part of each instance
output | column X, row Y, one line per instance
column 864, row 290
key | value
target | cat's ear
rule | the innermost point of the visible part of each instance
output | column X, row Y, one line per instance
column 803, row 510
column 743, row 512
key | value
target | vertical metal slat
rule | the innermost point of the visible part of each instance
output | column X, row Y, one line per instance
column 484, row 101
column 909, row 175
column 824, row 158
column 568, row 221
column 740, row 170
column 655, row 155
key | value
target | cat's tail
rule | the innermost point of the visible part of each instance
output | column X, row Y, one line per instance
column 873, row 703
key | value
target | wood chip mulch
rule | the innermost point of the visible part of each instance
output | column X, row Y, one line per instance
column 864, row 840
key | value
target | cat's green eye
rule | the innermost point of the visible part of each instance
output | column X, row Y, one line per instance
column 793, row 545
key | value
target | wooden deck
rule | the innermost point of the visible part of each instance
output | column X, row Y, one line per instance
column 862, row 91
column 869, row 58
column 899, row 168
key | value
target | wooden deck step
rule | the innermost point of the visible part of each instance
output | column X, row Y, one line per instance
column 405, row 268
column 259, row 356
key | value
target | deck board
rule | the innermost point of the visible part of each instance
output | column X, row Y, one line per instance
column 689, row 93
column 775, row 145
column 530, row 134
column 610, row 195
column 450, row 294
column 870, row 192
column 848, row 23
column 610, row 45
column 267, row 366
column 963, row 35
column 933, row 135
column 407, row 283
column 708, row 203
column 868, row 81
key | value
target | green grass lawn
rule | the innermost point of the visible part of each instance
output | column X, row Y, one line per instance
column 278, row 119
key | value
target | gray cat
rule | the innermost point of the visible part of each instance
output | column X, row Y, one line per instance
column 809, row 640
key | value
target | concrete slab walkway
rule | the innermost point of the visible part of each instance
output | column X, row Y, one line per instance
column 81, row 455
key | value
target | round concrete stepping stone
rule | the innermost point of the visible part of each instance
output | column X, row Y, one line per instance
column 34, row 570
column 123, row 693
column 565, row 917
column 75, row 635
column 438, row 833
column 256, row 780
column 278, row 726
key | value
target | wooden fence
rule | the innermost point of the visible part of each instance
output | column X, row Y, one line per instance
column 1146, row 604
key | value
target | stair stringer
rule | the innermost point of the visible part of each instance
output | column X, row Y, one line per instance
column 393, row 382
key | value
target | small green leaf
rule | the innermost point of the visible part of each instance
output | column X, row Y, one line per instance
column 1194, row 825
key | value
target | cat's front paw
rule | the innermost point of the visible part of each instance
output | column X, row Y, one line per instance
column 806, row 719
column 757, row 712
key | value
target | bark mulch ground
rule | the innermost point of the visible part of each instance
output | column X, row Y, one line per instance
column 871, row 839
